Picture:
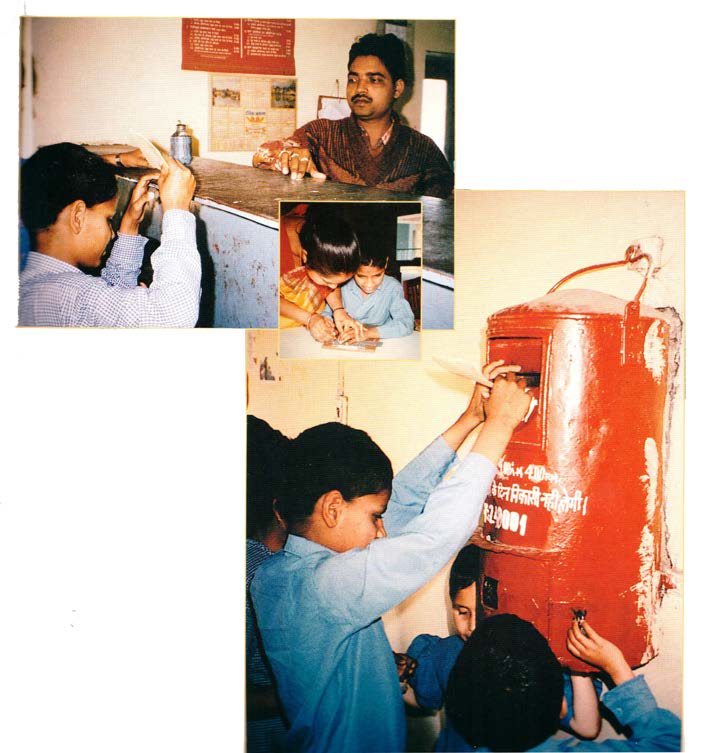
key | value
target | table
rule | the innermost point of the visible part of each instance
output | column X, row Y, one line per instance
column 298, row 343
column 236, row 208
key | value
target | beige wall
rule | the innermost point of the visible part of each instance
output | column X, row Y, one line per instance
column 98, row 78
column 510, row 247
column 429, row 36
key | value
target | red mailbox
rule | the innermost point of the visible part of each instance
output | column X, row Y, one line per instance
column 574, row 520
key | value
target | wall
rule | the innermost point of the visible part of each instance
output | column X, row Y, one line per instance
column 510, row 247
column 97, row 78
column 429, row 36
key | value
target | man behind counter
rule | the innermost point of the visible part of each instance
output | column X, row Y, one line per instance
column 371, row 147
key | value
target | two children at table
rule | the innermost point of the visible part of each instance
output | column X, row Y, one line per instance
column 340, row 291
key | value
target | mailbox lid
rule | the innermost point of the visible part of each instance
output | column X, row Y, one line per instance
column 576, row 303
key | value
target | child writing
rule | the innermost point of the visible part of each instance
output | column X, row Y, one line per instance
column 67, row 198
column 319, row 601
column 372, row 299
column 506, row 693
column 435, row 658
column 332, row 255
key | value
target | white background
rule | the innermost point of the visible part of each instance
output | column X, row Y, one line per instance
column 121, row 458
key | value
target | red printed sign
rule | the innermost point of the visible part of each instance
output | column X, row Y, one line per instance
column 239, row 45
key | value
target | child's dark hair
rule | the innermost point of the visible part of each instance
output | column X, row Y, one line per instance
column 506, row 688
column 327, row 457
column 371, row 258
column 465, row 570
column 265, row 464
column 387, row 47
column 56, row 176
column 331, row 244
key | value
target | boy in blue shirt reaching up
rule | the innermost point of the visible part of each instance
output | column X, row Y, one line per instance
column 360, row 544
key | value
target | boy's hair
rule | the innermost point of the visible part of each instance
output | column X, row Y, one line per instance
column 331, row 244
column 327, row 457
column 56, row 176
column 465, row 570
column 506, row 687
column 265, row 464
column 387, row 47
column 375, row 258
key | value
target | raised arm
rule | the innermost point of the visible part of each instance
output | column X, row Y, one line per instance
column 174, row 295
column 412, row 486
column 390, row 569
column 124, row 265
column 631, row 701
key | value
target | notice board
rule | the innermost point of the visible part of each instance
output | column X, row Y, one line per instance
column 245, row 110
column 239, row 45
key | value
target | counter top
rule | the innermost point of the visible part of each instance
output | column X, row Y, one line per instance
column 255, row 193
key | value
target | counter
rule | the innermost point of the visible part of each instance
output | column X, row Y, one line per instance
column 237, row 224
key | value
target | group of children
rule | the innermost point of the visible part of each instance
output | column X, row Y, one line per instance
column 348, row 542
column 339, row 290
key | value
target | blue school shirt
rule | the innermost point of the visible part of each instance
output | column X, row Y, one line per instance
column 632, row 703
column 319, row 610
column 262, row 735
column 385, row 308
column 435, row 659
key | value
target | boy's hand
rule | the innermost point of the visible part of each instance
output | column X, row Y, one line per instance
column 481, row 393
column 176, row 185
column 137, row 203
column 406, row 667
column 508, row 402
column 321, row 328
column 345, row 322
column 350, row 330
column 593, row 649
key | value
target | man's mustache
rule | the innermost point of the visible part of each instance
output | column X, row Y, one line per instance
column 360, row 97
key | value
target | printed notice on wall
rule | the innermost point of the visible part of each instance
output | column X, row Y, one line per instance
column 245, row 111
column 239, row 45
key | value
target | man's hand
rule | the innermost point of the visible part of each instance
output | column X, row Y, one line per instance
column 287, row 157
column 593, row 649
column 481, row 393
column 135, row 158
column 137, row 203
column 321, row 328
column 176, row 185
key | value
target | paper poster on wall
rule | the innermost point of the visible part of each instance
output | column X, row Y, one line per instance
column 239, row 45
column 245, row 111
column 255, row 122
